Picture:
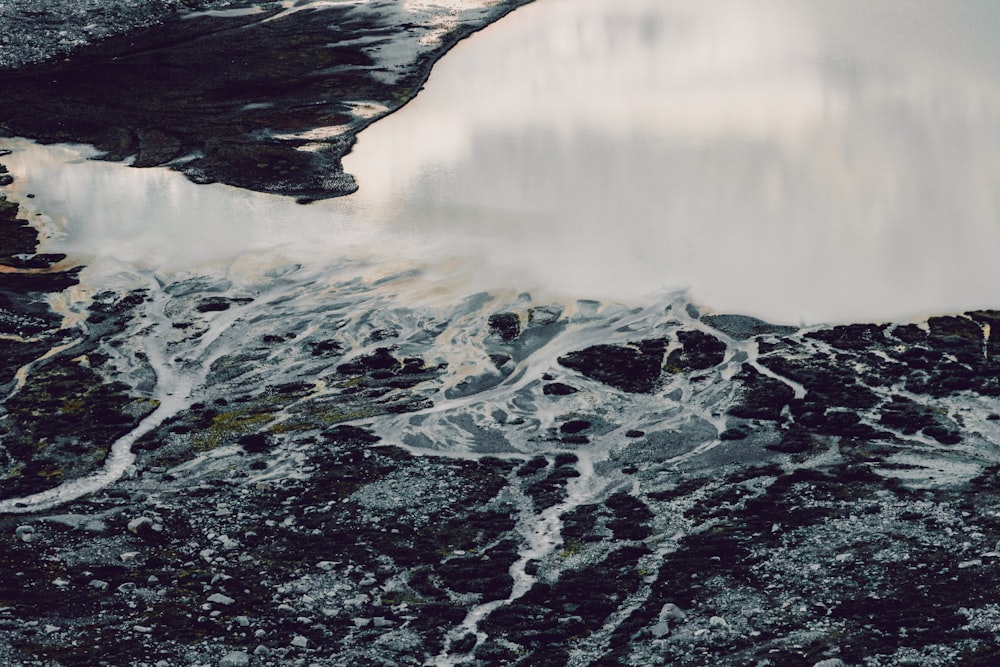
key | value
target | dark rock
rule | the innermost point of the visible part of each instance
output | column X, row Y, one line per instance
column 633, row 368
column 214, row 304
column 8, row 210
column 344, row 433
column 326, row 348
column 505, row 325
column 631, row 517
column 379, row 360
column 500, row 360
column 379, row 335
column 156, row 148
column 558, row 389
column 742, row 327
column 532, row 466
column 699, row 351
column 56, row 281
column 906, row 415
column 16, row 236
column 60, row 423
column 795, row 440
column 991, row 319
column 485, row 574
column 254, row 443
column 575, row 426
column 494, row 653
column 117, row 143
column 828, row 383
column 909, row 333
column 955, row 327
column 579, row 524
column 943, row 434
column 548, row 616
column 566, row 459
column 853, row 337
column 464, row 645
column 551, row 490
column 763, row 397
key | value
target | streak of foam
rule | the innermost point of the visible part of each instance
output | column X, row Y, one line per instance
column 541, row 534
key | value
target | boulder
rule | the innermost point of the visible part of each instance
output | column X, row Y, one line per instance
column 235, row 659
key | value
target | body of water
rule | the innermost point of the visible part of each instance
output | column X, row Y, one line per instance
column 797, row 161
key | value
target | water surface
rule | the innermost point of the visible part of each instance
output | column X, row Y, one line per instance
column 798, row 161
column 795, row 160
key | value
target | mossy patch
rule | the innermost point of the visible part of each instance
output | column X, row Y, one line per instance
column 62, row 422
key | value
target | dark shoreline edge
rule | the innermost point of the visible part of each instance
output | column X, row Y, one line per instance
column 207, row 95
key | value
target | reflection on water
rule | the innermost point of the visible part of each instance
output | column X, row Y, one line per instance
column 795, row 160
column 790, row 159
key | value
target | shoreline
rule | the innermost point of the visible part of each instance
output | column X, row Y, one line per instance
column 246, row 126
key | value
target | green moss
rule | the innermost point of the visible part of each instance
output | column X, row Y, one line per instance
column 318, row 415
column 228, row 426
column 291, row 426
column 570, row 548
column 51, row 472
column 59, row 425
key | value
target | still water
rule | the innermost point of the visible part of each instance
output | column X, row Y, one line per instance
column 797, row 160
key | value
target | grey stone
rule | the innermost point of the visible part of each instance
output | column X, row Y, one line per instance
column 139, row 523
column 219, row 598
column 660, row 630
column 235, row 659
column 671, row 612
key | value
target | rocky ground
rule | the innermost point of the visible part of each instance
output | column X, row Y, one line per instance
column 806, row 497
column 32, row 31
column 333, row 478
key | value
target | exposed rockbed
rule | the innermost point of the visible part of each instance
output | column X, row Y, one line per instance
column 808, row 496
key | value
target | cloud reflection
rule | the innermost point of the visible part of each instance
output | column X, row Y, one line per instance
column 797, row 160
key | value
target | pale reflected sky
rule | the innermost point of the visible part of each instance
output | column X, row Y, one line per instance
column 797, row 160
